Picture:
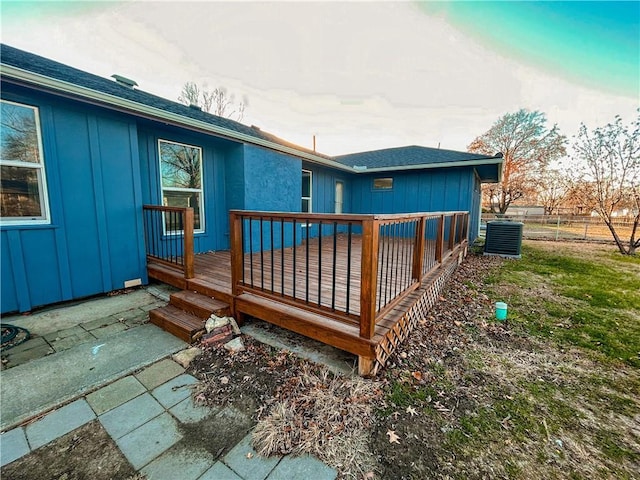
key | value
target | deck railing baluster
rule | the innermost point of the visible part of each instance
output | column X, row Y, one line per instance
column 333, row 281
column 295, row 248
column 348, row 265
column 251, row 250
column 272, row 250
column 262, row 254
column 306, row 296
column 282, row 257
column 320, row 263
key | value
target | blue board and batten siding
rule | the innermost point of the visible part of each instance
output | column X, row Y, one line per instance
column 94, row 240
column 433, row 190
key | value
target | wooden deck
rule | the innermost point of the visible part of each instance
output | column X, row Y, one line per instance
column 357, row 282
column 213, row 277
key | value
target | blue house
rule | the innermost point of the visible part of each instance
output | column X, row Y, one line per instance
column 82, row 155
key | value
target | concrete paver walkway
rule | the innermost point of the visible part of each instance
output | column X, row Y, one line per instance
column 98, row 361
column 144, row 414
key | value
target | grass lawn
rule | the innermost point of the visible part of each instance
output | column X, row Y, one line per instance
column 553, row 392
column 587, row 296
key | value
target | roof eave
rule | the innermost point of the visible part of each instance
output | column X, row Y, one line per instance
column 129, row 106
column 425, row 166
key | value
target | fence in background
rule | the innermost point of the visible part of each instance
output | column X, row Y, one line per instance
column 564, row 227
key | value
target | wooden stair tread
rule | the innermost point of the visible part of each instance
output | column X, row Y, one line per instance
column 200, row 305
column 176, row 321
column 332, row 332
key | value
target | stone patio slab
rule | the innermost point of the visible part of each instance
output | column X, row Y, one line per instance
column 159, row 373
column 13, row 445
column 244, row 460
column 188, row 412
column 174, row 391
column 115, row 394
column 59, row 423
column 108, row 330
column 129, row 416
column 179, row 462
column 150, row 440
column 220, row 471
column 303, row 467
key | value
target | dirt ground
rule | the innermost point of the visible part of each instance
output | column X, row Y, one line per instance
column 87, row 453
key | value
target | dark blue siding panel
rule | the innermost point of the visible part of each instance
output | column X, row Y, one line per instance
column 121, row 207
column 78, row 201
column 416, row 191
column 41, row 266
column 8, row 283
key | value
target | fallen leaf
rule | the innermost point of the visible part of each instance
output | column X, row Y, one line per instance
column 417, row 375
column 411, row 411
column 249, row 455
column 224, row 380
column 393, row 438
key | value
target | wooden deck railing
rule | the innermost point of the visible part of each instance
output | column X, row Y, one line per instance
column 354, row 268
column 168, row 236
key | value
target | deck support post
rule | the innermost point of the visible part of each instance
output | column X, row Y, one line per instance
column 369, row 275
column 452, row 231
column 237, row 251
column 418, row 250
column 365, row 366
column 188, row 244
column 440, row 240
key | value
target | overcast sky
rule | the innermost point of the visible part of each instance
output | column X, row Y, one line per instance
column 360, row 76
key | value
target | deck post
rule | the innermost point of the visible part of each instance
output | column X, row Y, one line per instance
column 452, row 231
column 365, row 366
column 418, row 250
column 440, row 239
column 237, row 251
column 188, row 244
column 369, row 274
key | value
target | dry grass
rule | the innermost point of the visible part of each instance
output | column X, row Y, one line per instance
column 324, row 415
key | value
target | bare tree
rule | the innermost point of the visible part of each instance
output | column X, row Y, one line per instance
column 527, row 147
column 610, row 178
column 217, row 101
column 553, row 187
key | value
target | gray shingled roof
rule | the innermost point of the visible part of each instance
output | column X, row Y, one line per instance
column 405, row 156
column 49, row 68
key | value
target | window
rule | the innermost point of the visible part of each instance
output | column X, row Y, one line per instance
column 23, row 186
column 339, row 197
column 181, row 179
column 383, row 183
column 306, row 192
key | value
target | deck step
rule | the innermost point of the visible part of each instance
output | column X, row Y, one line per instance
column 331, row 332
column 166, row 274
column 201, row 306
column 177, row 322
column 208, row 287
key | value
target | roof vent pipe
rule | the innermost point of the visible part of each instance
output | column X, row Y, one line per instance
column 124, row 81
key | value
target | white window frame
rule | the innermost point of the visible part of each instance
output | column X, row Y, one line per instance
column 200, row 190
column 310, row 197
column 45, row 218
